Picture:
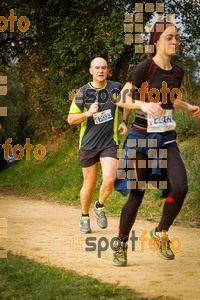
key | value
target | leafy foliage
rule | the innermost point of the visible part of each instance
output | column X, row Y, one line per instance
column 53, row 56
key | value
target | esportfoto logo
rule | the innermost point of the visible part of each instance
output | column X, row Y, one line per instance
column 102, row 244
column 22, row 23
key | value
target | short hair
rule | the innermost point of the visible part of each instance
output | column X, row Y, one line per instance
column 95, row 59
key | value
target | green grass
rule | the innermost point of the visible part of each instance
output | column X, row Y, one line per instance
column 187, row 126
column 21, row 278
column 190, row 153
column 58, row 177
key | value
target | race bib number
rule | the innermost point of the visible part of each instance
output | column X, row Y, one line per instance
column 102, row 116
column 162, row 124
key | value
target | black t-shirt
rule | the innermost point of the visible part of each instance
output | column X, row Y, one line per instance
column 104, row 132
column 155, row 78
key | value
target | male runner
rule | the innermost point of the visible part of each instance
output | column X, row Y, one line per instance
column 94, row 109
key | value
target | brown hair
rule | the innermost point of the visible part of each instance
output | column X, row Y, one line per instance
column 156, row 31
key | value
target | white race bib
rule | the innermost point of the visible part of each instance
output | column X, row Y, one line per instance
column 162, row 124
column 102, row 116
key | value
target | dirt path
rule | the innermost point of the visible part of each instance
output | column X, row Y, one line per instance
column 48, row 232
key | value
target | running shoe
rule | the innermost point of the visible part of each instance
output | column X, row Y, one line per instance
column 120, row 253
column 100, row 213
column 163, row 242
column 85, row 225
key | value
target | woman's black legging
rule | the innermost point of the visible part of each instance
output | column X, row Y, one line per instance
column 177, row 176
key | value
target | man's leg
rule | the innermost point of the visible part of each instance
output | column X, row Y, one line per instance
column 89, row 183
column 86, row 193
column 109, row 171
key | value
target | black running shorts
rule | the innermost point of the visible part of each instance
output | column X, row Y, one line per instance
column 88, row 158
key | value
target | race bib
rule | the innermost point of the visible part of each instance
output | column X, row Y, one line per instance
column 162, row 124
column 102, row 116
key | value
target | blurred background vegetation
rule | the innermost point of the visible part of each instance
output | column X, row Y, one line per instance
column 51, row 59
